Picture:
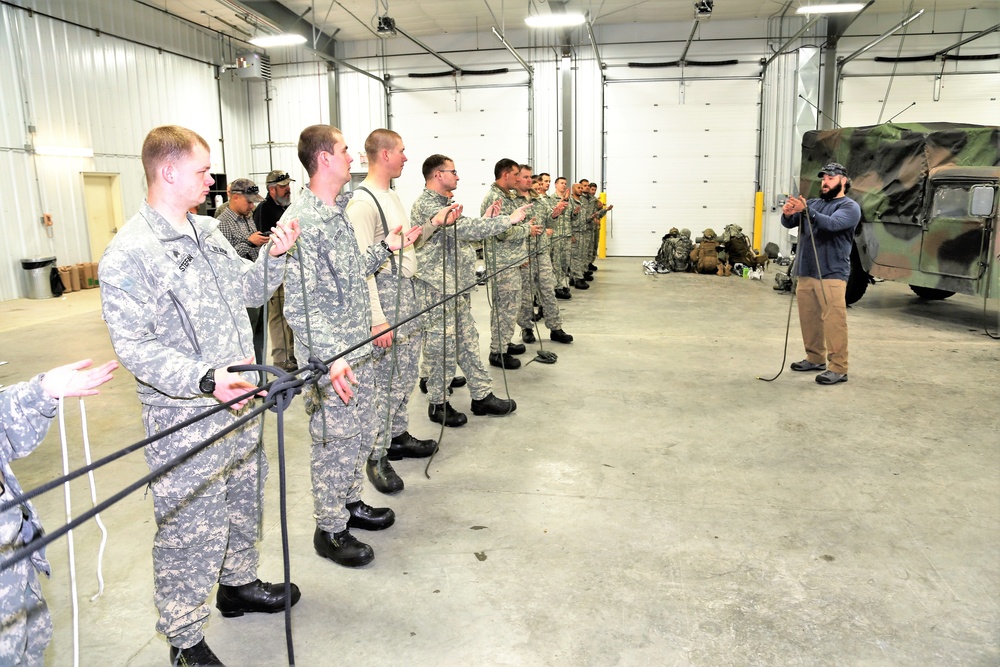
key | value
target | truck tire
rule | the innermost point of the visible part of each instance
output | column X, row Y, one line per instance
column 930, row 293
column 858, row 281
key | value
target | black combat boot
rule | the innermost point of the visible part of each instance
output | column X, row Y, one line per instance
column 342, row 548
column 458, row 381
column 560, row 336
column 366, row 517
column 382, row 476
column 257, row 596
column 591, row 268
column 491, row 405
column 580, row 283
column 516, row 348
column 405, row 445
column 528, row 335
column 198, row 655
column 443, row 413
column 504, row 361
column 588, row 276
column 563, row 293
column 455, row 382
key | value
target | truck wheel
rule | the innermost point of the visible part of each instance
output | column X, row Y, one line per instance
column 930, row 293
column 858, row 281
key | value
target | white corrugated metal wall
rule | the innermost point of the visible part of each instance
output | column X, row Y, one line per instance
column 80, row 89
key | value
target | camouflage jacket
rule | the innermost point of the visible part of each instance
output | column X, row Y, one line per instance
column 509, row 247
column 579, row 220
column 445, row 254
column 25, row 414
column 563, row 225
column 176, row 307
column 327, row 302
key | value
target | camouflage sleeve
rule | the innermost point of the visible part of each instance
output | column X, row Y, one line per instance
column 374, row 257
column 514, row 232
column 129, row 309
column 255, row 292
column 25, row 415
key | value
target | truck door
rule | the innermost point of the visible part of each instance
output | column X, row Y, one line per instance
column 955, row 241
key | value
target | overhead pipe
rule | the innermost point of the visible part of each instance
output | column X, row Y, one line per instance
column 884, row 35
column 593, row 42
column 979, row 34
column 792, row 39
column 687, row 45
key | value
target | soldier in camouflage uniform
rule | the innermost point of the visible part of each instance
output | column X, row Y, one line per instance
column 26, row 411
column 537, row 281
column 174, row 294
column 445, row 266
column 581, row 231
column 504, row 253
column 373, row 211
column 562, row 244
column 328, row 306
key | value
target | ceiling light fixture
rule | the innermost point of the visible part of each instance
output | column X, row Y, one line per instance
column 554, row 20
column 845, row 8
column 286, row 39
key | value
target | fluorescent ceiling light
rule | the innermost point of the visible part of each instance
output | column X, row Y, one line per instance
column 554, row 20
column 267, row 41
column 845, row 8
column 64, row 151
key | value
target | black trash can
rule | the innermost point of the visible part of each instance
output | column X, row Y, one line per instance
column 36, row 274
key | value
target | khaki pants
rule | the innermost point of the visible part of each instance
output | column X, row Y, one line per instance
column 824, row 321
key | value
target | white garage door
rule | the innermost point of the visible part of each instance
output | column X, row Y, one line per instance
column 474, row 127
column 679, row 159
column 961, row 98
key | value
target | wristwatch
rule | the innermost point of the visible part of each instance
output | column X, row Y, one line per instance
column 207, row 382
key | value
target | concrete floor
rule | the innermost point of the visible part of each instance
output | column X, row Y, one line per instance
column 650, row 503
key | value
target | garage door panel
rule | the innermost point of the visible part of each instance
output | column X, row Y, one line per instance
column 673, row 160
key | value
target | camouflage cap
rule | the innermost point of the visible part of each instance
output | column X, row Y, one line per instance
column 278, row 177
column 686, row 233
column 247, row 188
column 833, row 169
column 709, row 233
column 673, row 230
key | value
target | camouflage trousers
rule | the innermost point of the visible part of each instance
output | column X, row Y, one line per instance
column 451, row 334
column 506, row 301
column 581, row 254
column 595, row 238
column 207, row 513
column 278, row 331
column 25, row 623
column 562, row 256
column 342, row 440
column 537, row 281
column 396, row 377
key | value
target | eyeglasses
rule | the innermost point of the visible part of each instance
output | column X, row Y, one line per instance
column 249, row 190
column 453, row 171
column 278, row 179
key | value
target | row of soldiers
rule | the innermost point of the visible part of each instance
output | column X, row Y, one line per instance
column 375, row 297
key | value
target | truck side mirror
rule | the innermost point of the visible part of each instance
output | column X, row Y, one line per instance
column 982, row 201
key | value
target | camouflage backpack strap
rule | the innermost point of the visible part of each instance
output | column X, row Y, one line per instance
column 385, row 226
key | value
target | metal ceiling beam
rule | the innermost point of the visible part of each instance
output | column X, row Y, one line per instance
column 687, row 45
column 884, row 35
column 517, row 56
column 287, row 21
column 593, row 42
column 979, row 34
column 791, row 39
column 429, row 50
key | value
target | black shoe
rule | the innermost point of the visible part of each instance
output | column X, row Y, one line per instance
column 504, row 361
column 540, row 315
column 591, row 268
column 257, row 596
column 560, row 336
column 198, row 655
column 443, row 413
column 563, row 293
column 516, row 348
column 382, row 476
column 405, row 445
column 366, row 517
column 458, row 381
column 342, row 548
column 527, row 335
column 423, row 385
column 580, row 283
column 588, row 276
column 491, row 405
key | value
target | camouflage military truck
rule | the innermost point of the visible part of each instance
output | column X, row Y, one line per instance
column 929, row 196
